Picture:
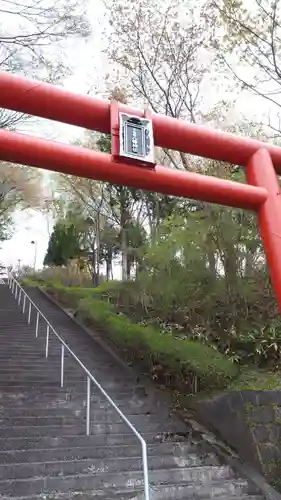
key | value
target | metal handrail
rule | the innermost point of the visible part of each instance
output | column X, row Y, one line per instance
column 18, row 292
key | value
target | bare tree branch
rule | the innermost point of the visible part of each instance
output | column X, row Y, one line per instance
column 27, row 30
column 253, row 34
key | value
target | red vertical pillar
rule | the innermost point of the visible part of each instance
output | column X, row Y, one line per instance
column 260, row 172
column 114, row 126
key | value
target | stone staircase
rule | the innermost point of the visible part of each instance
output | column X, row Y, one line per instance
column 44, row 450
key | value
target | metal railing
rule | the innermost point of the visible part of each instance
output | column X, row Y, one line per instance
column 27, row 304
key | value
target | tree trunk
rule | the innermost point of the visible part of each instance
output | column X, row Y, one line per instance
column 124, row 260
column 108, row 265
column 124, row 246
column 250, row 263
column 93, row 263
column 107, row 270
column 140, row 266
column 230, row 264
column 97, row 273
column 129, row 266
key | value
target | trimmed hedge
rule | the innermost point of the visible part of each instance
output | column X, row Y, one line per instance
column 175, row 360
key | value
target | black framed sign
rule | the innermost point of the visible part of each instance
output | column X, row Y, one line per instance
column 136, row 138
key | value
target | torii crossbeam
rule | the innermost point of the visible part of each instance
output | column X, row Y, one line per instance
column 261, row 160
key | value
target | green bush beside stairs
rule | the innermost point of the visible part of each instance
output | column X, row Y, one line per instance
column 166, row 356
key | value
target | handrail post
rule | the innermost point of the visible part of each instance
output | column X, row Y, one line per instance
column 19, row 297
column 47, row 341
column 24, row 301
column 37, row 325
column 29, row 313
column 16, row 292
column 88, row 406
column 145, row 469
column 62, row 366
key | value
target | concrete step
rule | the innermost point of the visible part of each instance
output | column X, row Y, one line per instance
column 31, row 348
column 78, row 389
column 77, row 430
column 43, row 367
column 29, row 358
column 41, row 421
column 67, row 441
column 46, row 373
column 191, row 454
column 69, row 368
column 72, row 379
column 110, row 465
column 131, row 480
column 10, row 366
column 139, row 421
column 56, row 397
column 21, row 412
column 103, row 414
column 79, row 386
column 172, row 482
column 46, row 379
column 54, row 377
column 23, row 363
column 72, row 399
column 163, row 492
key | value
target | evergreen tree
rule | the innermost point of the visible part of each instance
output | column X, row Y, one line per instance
column 64, row 245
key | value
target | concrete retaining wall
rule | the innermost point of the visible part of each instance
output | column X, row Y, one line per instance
column 250, row 422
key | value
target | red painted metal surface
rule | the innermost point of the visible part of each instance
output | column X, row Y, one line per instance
column 45, row 100
column 114, row 129
column 260, row 172
column 26, row 150
column 261, row 160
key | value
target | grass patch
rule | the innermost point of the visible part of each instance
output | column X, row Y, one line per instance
column 29, row 282
column 253, row 379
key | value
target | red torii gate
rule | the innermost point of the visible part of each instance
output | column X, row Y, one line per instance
column 261, row 161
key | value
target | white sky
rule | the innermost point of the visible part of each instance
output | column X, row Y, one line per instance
column 89, row 67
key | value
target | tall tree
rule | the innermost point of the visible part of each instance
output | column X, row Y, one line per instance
column 123, row 202
column 109, row 248
column 33, row 39
column 64, row 245
column 247, row 36
column 159, row 51
column 20, row 188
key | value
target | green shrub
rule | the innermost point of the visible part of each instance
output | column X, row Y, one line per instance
column 29, row 282
column 169, row 359
column 164, row 355
column 180, row 358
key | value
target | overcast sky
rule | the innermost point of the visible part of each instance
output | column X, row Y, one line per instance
column 89, row 67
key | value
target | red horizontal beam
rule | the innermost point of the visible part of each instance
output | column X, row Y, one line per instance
column 26, row 150
column 47, row 101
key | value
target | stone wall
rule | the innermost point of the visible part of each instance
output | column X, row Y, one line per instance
column 250, row 422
